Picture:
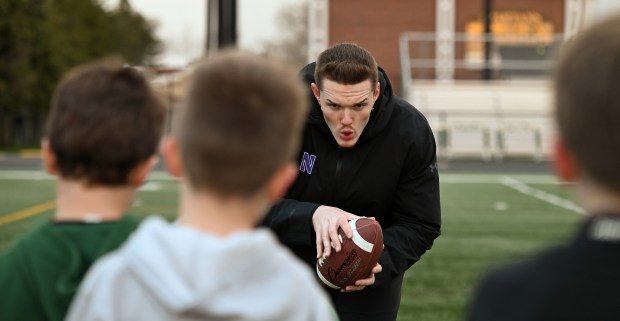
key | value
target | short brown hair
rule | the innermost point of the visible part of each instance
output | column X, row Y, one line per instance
column 347, row 64
column 587, row 100
column 242, row 121
column 104, row 120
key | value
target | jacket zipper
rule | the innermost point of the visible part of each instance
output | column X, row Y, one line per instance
column 336, row 175
column 338, row 167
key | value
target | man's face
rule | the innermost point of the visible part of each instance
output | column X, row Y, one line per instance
column 346, row 108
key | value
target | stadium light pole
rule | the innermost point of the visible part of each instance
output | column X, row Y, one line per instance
column 221, row 25
column 488, row 39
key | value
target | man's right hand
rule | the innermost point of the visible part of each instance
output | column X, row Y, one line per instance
column 326, row 220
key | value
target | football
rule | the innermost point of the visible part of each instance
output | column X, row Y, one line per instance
column 357, row 257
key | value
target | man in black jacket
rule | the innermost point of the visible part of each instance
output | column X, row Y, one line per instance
column 580, row 279
column 365, row 152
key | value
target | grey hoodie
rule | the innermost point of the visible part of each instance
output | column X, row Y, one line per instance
column 173, row 272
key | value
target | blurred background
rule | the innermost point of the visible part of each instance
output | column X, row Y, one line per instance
column 479, row 70
column 42, row 39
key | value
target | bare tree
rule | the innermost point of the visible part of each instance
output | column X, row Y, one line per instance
column 292, row 43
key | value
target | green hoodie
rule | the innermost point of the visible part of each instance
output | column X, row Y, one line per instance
column 40, row 274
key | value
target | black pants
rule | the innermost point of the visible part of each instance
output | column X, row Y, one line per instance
column 379, row 302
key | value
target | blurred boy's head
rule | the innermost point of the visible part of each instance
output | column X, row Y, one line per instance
column 104, row 121
column 587, row 92
column 241, row 125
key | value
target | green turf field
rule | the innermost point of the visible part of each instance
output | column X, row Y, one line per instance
column 487, row 220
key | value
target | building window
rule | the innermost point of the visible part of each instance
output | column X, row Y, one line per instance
column 520, row 40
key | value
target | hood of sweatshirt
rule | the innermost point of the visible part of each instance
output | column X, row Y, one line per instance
column 247, row 275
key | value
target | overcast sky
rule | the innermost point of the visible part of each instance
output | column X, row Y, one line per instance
column 181, row 24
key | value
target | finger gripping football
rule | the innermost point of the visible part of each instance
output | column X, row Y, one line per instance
column 357, row 257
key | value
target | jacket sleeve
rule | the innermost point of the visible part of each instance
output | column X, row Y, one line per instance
column 416, row 212
column 291, row 220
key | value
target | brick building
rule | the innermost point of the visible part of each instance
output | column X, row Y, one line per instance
column 378, row 26
column 439, row 58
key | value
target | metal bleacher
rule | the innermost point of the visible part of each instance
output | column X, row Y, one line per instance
column 491, row 121
column 509, row 117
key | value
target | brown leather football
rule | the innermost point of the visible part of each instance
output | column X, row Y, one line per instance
column 357, row 256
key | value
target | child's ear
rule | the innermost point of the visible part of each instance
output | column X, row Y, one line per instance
column 141, row 171
column 172, row 156
column 565, row 165
column 49, row 157
column 281, row 181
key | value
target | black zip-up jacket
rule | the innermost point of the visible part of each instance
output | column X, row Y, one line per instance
column 577, row 280
column 390, row 174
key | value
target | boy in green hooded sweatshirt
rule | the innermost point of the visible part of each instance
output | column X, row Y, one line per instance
column 100, row 142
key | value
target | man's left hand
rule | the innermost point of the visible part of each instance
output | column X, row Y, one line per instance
column 362, row 283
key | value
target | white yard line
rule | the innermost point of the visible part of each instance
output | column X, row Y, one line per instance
column 443, row 178
column 541, row 195
column 30, row 175
column 25, row 175
column 151, row 187
column 519, row 184
column 447, row 178
column 161, row 176
column 544, row 179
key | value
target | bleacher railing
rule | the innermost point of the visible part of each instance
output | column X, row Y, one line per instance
column 508, row 115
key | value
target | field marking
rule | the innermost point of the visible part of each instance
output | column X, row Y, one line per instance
column 150, row 187
column 31, row 211
column 25, row 175
column 447, row 178
column 538, row 179
column 31, row 175
column 541, row 195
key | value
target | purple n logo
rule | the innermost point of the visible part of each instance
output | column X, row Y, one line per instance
column 307, row 163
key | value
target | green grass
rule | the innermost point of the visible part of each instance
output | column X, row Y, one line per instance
column 16, row 195
column 20, row 194
column 475, row 237
column 485, row 223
